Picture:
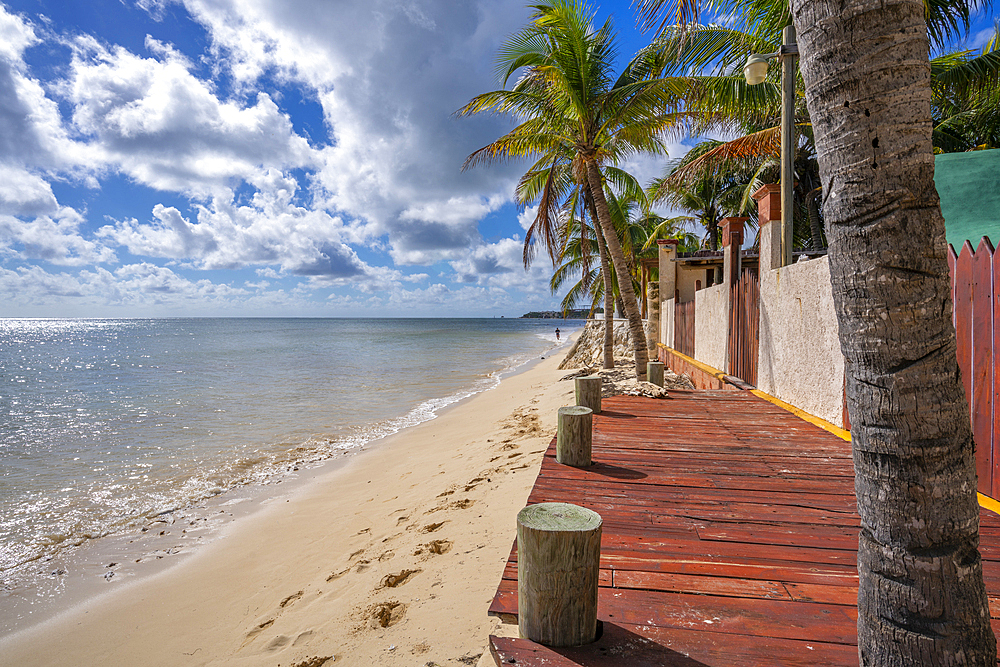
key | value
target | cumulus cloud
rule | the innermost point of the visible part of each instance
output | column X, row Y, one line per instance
column 389, row 76
column 212, row 135
column 54, row 239
column 268, row 231
column 152, row 119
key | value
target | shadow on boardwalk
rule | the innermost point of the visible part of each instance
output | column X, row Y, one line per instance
column 730, row 538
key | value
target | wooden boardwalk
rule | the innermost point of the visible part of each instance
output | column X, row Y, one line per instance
column 730, row 538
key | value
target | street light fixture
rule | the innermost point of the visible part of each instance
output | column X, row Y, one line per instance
column 755, row 71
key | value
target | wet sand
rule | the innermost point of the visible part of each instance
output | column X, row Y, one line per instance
column 389, row 559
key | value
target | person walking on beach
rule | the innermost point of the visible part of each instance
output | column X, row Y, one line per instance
column 557, row 333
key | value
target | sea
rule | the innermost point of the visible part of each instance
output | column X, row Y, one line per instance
column 113, row 426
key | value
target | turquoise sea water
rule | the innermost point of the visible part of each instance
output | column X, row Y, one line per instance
column 108, row 423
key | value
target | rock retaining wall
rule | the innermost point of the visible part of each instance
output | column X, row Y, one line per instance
column 588, row 350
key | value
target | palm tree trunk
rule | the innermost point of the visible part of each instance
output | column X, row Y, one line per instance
column 609, row 291
column 625, row 290
column 921, row 598
column 815, row 226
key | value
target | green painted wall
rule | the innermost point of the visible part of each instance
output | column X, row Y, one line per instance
column 969, row 187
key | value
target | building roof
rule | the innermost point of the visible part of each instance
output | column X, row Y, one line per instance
column 969, row 187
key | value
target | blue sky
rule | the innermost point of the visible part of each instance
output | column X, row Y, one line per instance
column 164, row 158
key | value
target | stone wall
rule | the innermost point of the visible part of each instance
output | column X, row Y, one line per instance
column 588, row 350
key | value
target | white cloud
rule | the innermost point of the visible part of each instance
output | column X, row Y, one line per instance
column 55, row 239
column 152, row 119
column 389, row 75
column 501, row 265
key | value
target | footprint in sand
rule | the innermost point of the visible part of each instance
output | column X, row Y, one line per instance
column 397, row 579
column 290, row 599
column 315, row 661
column 435, row 548
column 431, row 527
column 302, row 638
column 278, row 643
column 362, row 566
column 263, row 625
column 463, row 504
column 385, row 614
column 338, row 575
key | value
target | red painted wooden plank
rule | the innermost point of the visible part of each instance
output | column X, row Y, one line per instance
column 685, row 583
column 995, row 417
column 806, row 536
column 642, row 493
column 952, row 261
column 846, row 595
column 622, row 644
column 963, row 323
column 734, row 552
column 745, row 512
column 729, row 615
column 981, row 399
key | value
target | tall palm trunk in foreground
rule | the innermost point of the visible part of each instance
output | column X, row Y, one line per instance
column 921, row 599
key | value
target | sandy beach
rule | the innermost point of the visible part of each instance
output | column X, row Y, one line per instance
column 390, row 559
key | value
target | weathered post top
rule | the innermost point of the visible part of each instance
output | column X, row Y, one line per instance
column 769, row 211
column 560, row 517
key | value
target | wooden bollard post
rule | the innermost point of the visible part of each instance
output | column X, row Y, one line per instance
column 654, row 372
column 588, row 392
column 558, row 561
column 574, row 436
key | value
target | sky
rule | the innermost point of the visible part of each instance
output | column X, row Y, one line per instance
column 165, row 158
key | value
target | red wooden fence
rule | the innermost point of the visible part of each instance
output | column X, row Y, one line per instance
column 744, row 328
column 684, row 328
column 975, row 285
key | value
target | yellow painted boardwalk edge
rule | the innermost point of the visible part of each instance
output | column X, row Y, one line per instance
column 984, row 501
column 805, row 416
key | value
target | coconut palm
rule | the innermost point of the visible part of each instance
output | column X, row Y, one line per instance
column 709, row 194
column 563, row 200
column 966, row 99
column 866, row 73
column 569, row 103
column 966, row 107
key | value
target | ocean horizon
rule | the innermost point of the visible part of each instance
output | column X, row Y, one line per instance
column 110, row 425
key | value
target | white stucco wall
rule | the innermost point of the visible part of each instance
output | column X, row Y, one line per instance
column 688, row 278
column 711, row 316
column 799, row 359
column 667, row 322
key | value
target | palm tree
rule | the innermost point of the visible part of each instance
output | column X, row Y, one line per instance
column 866, row 72
column 966, row 99
column 563, row 199
column 569, row 104
column 709, row 194
column 966, row 105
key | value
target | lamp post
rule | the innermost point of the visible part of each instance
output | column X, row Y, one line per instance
column 755, row 71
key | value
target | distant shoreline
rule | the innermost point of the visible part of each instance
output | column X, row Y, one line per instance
column 558, row 315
